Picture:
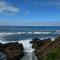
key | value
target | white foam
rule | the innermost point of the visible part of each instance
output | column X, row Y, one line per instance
column 29, row 32
column 12, row 33
column 52, row 39
column 4, row 42
column 41, row 32
column 26, row 44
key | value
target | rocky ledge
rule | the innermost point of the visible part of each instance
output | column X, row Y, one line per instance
column 46, row 49
column 39, row 45
column 13, row 51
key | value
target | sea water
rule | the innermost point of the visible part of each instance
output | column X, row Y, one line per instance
column 24, row 34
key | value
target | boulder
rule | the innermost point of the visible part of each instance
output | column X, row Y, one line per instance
column 13, row 51
column 45, row 47
column 37, row 43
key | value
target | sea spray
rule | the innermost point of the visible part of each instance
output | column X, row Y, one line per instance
column 28, row 50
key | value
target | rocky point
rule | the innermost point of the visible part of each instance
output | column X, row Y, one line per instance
column 13, row 51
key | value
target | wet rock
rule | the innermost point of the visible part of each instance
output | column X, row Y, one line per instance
column 44, row 47
column 13, row 51
column 37, row 43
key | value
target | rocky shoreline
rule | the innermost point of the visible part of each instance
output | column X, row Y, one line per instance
column 44, row 47
column 13, row 51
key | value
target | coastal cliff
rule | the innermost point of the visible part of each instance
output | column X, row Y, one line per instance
column 46, row 49
column 13, row 51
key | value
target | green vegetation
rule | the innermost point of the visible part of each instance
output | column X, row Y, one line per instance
column 53, row 55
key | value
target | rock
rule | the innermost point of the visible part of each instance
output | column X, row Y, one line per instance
column 34, row 40
column 44, row 47
column 13, row 51
column 37, row 43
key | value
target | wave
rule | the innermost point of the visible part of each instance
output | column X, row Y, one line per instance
column 57, row 31
column 41, row 32
column 26, row 44
column 12, row 33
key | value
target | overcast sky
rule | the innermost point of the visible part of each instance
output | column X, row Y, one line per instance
column 30, row 12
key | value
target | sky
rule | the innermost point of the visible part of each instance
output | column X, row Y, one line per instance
column 30, row 12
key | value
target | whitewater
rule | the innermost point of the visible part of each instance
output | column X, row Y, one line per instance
column 25, row 36
column 36, row 32
column 28, row 50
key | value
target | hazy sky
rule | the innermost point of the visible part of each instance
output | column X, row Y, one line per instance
column 29, row 12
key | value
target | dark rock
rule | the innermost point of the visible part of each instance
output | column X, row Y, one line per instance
column 13, row 51
column 34, row 40
column 37, row 43
column 44, row 47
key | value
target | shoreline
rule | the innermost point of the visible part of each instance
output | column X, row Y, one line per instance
column 35, row 45
column 13, row 51
column 44, row 47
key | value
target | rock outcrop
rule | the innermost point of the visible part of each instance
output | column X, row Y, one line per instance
column 13, row 51
column 40, row 46
column 37, row 43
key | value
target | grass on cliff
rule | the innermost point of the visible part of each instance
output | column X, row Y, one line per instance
column 53, row 55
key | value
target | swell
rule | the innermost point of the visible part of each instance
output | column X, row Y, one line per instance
column 33, row 32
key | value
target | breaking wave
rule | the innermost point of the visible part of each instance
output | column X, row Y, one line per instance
column 36, row 32
column 26, row 44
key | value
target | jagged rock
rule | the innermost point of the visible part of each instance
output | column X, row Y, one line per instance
column 44, row 47
column 37, row 43
column 13, row 51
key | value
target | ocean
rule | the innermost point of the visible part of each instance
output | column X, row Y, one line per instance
column 24, row 34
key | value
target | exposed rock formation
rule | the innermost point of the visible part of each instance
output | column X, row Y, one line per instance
column 37, row 43
column 13, row 51
column 43, row 47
